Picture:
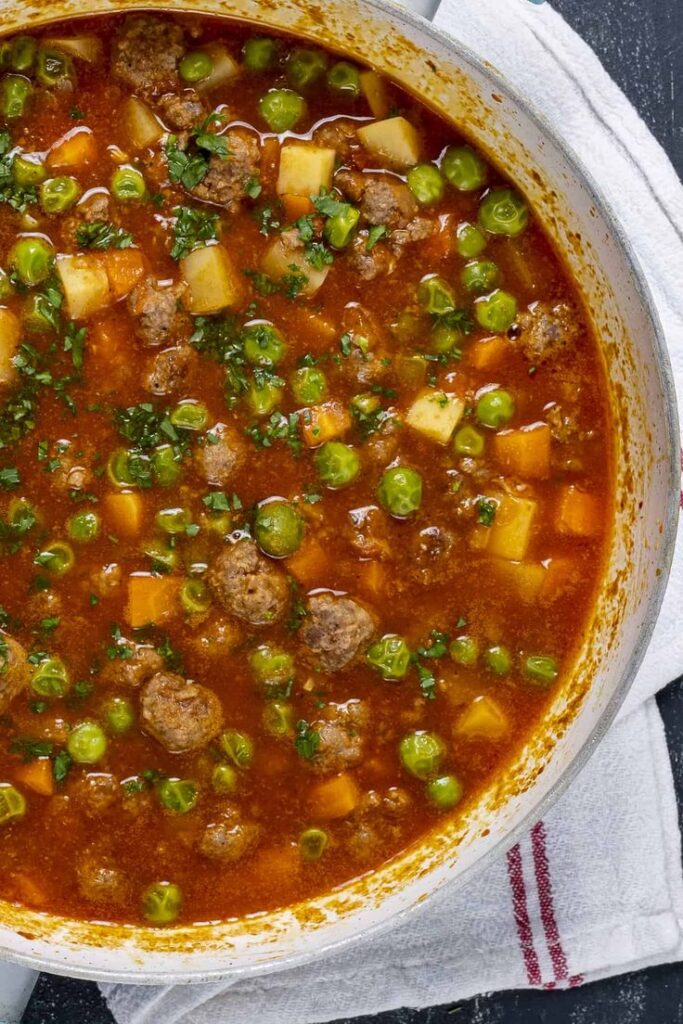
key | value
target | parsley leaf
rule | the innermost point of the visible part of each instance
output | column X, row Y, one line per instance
column 9, row 478
column 101, row 234
column 15, row 195
column 326, row 204
column 376, row 232
column 306, row 740
column 192, row 227
column 486, row 511
column 74, row 342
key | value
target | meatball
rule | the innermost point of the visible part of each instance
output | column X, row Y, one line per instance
column 370, row 264
column 169, row 370
column 99, row 881
column 179, row 714
column 93, row 207
column 143, row 663
column 383, row 198
column 335, row 629
column 71, row 473
column 417, row 230
column 228, row 838
column 339, row 135
column 146, row 53
column 14, row 670
column 374, row 824
column 341, row 741
column 181, row 113
column 431, row 557
column 107, row 579
column 228, row 177
column 545, row 330
column 367, row 532
column 248, row 584
column 218, row 460
column 95, row 793
column 155, row 307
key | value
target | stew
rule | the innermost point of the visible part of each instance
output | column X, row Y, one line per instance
column 305, row 470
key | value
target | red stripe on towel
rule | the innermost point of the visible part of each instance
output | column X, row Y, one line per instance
column 546, row 903
column 521, row 914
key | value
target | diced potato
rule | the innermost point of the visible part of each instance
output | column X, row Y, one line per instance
column 325, row 422
column 75, row 149
column 511, row 531
column 87, row 48
column 578, row 513
column 225, row 68
column 280, row 261
column 374, row 88
column 484, row 717
column 436, row 414
column 124, row 513
column 305, row 169
column 10, row 332
column 124, row 268
column 143, row 128
column 526, row 579
column 212, row 280
column 85, row 284
column 393, row 141
column 524, row 452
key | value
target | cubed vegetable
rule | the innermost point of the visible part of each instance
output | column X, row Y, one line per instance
column 324, row 422
column 578, row 513
column 87, row 48
column 37, row 775
column 85, row 284
column 124, row 268
column 525, row 579
column 435, row 414
column 488, row 353
column 143, row 128
column 524, row 452
column 10, row 332
column 75, row 149
column 394, row 141
column 124, row 513
column 151, row 599
column 283, row 263
column 334, row 798
column 225, row 68
column 305, row 169
column 213, row 282
column 510, row 534
column 374, row 89
column 483, row 718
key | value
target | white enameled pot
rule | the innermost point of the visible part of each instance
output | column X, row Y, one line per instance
column 479, row 102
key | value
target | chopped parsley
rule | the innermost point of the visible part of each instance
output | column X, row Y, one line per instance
column 486, row 511
column 74, row 342
column 306, row 740
column 376, row 232
column 15, row 195
column 192, row 228
column 9, row 478
column 103, row 235
column 190, row 166
column 277, row 427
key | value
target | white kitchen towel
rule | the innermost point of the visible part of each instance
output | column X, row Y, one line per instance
column 595, row 888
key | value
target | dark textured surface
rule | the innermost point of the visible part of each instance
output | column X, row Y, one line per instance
column 641, row 44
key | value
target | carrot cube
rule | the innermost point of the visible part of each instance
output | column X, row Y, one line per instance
column 324, row 422
column 37, row 776
column 524, row 452
column 487, row 353
column 578, row 513
column 334, row 798
column 151, row 599
column 124, row 512
column 124, row 269
column 76, row 148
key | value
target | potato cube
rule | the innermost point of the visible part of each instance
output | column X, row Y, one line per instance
column 485, row 718
column 526, row 579
column 281, row 261
column 374, row 88
column 87, row 48
column 225, row 68
column 510, row 533
column 85, row 283
column 10, row 332
column 213, row 282
column 305, row 169
column 394, row 141
column 436, row 414
column 143, row 128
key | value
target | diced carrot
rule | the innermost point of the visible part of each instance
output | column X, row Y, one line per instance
column 324, row 422
column 151, row 599
column 334, row 798
column 76, row 148
column 296, row 206
column 310, row 563
column 37, row 775
column 124, row 512
column 524, row 452
column 578, row 513
column 124, row 269
column 373, row 578
column 487, row 353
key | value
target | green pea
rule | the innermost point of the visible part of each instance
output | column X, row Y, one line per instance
column 278, row 528
column 464, row 650
column 22, row 54
column 345, row 78
column 312, row 843
column 470, row 241
column 32, row 260
column 309, row 385
column 21, row 512
column 271, row 666
column 400, row 491
column 497, row 658
column 263, row 344
column 337, row 464
column 421, row 754
column 14, row 95
column 87, row 743
column 173, row 520
column 195, row 66
column 166, row 465
column 28, row 173
column 278, row 719
column 540, row 669
column 469, row 442
column 119, row 715
column 195, row 596
column 444, row 338
column 57, row 557
column 495, row 408
column 162, row 902
column 305, row 67
column 237, row 747
column 224, row 779
column 12, row 803
column 341, row 227
column 426, row 184
column 260, row 53
column 264, row 399
column 390, row 656
column 503, row 212
column 365, row 403
column 445, row 791
column 435, row 295
column 463, row 168
column 281, row 109
column 54, row 67
column 128, row 185
column 83, row 526
column 496, row 312
column 190, row 415
column 177, row 795
column 162, row 552
column 50, row 678
column 480, row 276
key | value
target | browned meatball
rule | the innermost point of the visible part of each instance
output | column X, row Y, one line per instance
column 179, row 714
column 339, row 135
column 227, row 179
column 14, row 670
column 341, row 739
column 370, row 264
column 99, row 881
column 156, row 308
column 219, row 459
column 228, row 838
column 143, row 663
column 183, row 112
column 170, row 369
column 383, row 198
column 146, row 53
column 95, row 793
column 248, row 584
column 546, row 331
column 336, row 629
column 93, row 207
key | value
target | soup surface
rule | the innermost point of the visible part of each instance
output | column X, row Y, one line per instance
column 305, row 470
